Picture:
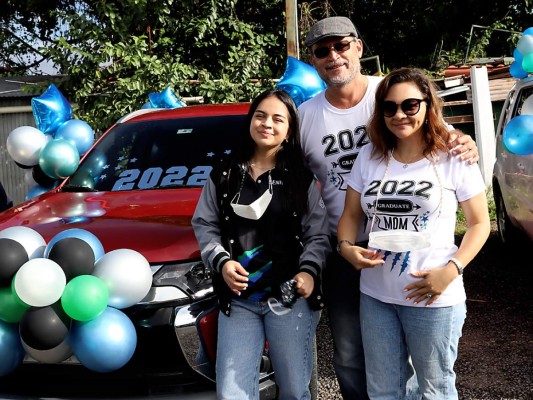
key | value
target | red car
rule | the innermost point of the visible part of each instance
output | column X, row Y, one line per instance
column 137, row 189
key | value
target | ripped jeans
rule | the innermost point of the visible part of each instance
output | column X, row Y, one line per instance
column 241, row 339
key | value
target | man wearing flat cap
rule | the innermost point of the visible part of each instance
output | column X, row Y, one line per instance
column 333, row 129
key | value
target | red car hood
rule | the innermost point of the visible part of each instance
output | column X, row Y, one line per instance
column 156, row 223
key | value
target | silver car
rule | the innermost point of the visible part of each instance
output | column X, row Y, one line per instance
column 513, row 171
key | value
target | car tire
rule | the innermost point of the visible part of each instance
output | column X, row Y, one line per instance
column 509, row 234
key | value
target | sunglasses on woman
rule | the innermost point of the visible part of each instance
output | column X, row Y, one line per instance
column 408, row 106
column 339, row 47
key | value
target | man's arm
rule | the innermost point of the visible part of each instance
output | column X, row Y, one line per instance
column 463, row 146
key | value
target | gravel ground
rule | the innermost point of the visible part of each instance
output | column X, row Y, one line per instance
column 496, row 351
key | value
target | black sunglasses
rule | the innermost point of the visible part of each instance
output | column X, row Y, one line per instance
column 408, row 106
column 339, row 47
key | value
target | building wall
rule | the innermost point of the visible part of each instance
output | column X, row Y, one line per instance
column 11, row 175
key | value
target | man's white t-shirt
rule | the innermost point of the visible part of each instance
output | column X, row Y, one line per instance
column 423, row 197
column 331, row 141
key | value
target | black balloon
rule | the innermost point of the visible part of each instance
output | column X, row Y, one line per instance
column 12, row 256
column 41, row 178
column 23, row 166
column 44, row 328
column 75, row 256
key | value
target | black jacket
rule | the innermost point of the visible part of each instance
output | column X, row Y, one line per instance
column 293, row 242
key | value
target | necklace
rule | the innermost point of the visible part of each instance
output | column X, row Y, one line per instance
column 408, row 162
column 261, row 168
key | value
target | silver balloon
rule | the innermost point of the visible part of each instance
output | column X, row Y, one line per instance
column 32, row 240
column 50, row 356
column 127, row 275
column 24, row 145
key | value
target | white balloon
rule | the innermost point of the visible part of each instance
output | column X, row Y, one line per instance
column 28, row 177
column 527, row 106
column 51, row 356
column 29, row 238
column 40, row 282
column 24, row 145
column 525, row 44
column 127, row 275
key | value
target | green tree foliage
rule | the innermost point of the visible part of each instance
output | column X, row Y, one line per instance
column 113, row 53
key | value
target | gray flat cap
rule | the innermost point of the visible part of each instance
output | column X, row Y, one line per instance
column 331, row 26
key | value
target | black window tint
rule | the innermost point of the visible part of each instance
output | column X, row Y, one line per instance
column 165, row 153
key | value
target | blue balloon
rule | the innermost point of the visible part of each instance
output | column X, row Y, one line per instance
column 82, row 234
column 37, row 190
column 50, row 110
column 59, row 158
column 165, row 99
column 518, row 135
column 105, row 343
column 300, row 81
column 11, row 350
column 518, row 57
column 516, row 70
column 528, row 31
column 77, row 132
column 146, row 105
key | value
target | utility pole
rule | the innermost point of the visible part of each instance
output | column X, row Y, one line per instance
column 291, row 27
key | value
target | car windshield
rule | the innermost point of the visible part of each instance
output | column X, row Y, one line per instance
column 158, row 154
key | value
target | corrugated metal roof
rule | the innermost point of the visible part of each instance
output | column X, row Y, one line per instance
column 13, row 86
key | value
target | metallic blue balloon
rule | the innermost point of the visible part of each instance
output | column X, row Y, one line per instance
column 516, row 70
column 77, row 132
column 37, row 190
column 165, row 99
column 11, row 350
column 50, row 110
column 518, row 135
column 59, row 158
column 106, row 343
column 146, row 105
column 300, row 81
column 82, row 234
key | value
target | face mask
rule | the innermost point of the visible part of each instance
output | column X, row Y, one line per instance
column 399, row 240
column 256, row 209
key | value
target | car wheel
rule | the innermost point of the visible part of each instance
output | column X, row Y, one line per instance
column 507, row 232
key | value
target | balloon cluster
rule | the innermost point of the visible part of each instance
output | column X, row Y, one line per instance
column 51, row 151
column 518, row 133
column 300, row 81
column 164, row 99
column 65, row 298
column 523, row 56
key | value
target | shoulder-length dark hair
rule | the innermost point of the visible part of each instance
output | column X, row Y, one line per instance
column 435, row 132
column 289, row 157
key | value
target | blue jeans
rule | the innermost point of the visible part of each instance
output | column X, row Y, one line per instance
column 241, row 340
column 341, row 294
column 394, row 335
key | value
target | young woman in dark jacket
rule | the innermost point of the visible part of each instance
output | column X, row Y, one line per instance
column 260, row 223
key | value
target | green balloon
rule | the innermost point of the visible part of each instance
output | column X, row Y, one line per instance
column 85, row 297
column 11, row 307
column 527, row 62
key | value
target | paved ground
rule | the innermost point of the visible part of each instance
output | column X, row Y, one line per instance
column 496, row 351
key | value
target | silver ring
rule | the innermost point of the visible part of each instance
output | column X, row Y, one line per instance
column 429, row 295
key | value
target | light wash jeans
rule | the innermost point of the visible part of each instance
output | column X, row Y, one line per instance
column 341, row 293
column 392, row 334
column 241, row 340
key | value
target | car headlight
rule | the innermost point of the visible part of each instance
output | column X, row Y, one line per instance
column 192, row 278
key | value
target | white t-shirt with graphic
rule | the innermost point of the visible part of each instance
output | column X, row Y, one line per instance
column 422, row 197
column 331, row 140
